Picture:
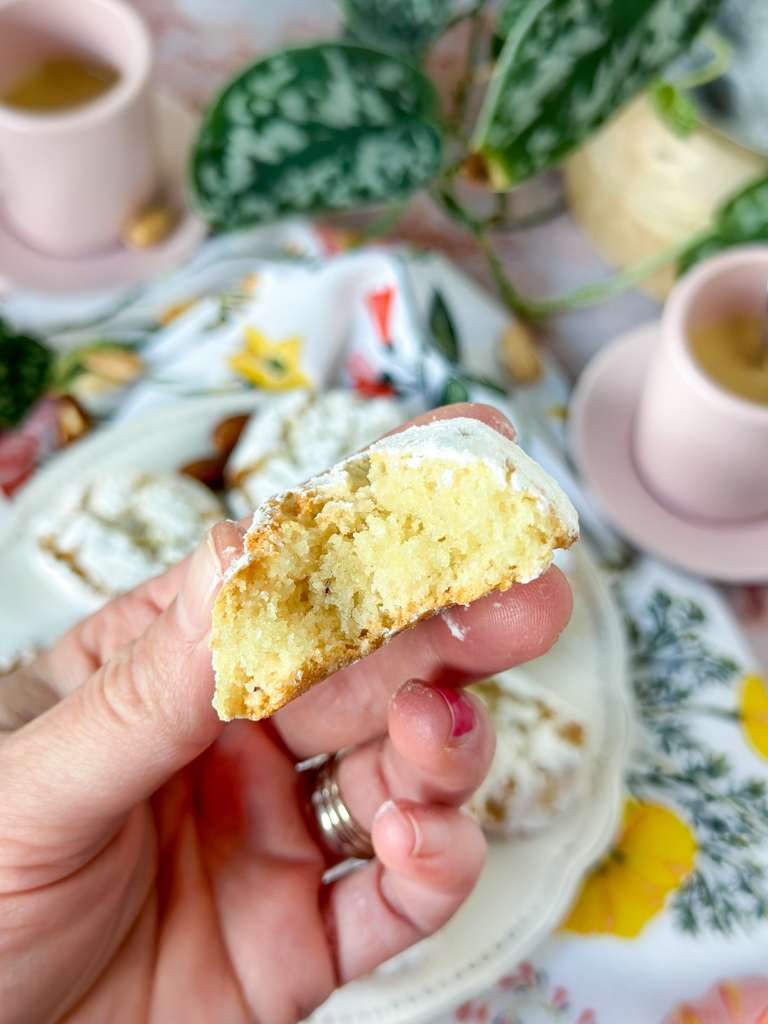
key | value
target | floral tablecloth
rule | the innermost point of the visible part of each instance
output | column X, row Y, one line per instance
column 680, row 902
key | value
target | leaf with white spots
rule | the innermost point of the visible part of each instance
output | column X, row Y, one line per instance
column 401, row 26
column 325, row 127
column 568, row 65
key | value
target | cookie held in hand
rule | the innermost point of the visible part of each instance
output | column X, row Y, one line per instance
column 433, row 516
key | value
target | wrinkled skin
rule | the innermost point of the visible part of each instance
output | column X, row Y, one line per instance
column 155, row 865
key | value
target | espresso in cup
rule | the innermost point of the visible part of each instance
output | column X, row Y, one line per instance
column 59, row 83
column 701, row 427
column 732, row 353
column 77, row 148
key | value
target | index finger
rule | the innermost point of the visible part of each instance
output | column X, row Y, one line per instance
column 497, row 632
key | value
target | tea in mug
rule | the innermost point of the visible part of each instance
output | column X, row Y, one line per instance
column 731, row 353
column 58, row 84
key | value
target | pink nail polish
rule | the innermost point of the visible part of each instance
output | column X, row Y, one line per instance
column 462, row 713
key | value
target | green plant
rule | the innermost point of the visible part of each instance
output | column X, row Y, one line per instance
column 340, row 125
column 24, row 367
column 742, row 219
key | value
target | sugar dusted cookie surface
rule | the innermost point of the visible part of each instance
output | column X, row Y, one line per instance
column 118, row 529
column 435, row 515
column 542, row 757
column 297, row 435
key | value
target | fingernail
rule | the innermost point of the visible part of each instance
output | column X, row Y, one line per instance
column 427, row 834
column 463, row 716
column 218, row 550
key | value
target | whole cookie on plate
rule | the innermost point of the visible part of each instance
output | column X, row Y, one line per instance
column 117, row 530
column 435, row 515
column 298, row 435
column 541, row 758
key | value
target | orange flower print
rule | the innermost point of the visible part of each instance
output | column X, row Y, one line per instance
column 380, row 307
column 743, row 1001
column 366, row 379
column 753, row 712
column 653, row 855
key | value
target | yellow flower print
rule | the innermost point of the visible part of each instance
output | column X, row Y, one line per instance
column 267, row 364
column 653, row 855
column 753, row 712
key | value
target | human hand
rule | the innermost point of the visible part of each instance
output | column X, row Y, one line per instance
column 155, row 865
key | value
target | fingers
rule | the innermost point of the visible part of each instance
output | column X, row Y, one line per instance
column 497, row 632
column 429, row 858
column 80, row 767
column 439, row 749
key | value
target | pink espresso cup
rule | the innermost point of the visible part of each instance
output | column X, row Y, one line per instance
column 700, row 449
column 69, row 181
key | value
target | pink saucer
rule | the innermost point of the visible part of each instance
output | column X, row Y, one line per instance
column 602, row 416
column 22, row 266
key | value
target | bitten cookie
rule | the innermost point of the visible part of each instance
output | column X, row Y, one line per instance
column 436, row 515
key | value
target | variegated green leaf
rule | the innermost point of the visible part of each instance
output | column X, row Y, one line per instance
column 402, row 26
column 320, row 128
column 743, row 219
column 566, row 67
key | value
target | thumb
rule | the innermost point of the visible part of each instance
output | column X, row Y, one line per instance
column 72, row 774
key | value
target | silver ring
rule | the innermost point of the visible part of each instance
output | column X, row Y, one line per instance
column 339, row 831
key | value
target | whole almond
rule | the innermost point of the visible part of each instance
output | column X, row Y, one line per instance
column 116, row 364
column 519, row 354
column 151, row 226
column 227, row 433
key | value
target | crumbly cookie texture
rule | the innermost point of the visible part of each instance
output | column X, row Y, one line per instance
column 433, row 516
column 297, row 436
column 541, row 760
column 119, row 529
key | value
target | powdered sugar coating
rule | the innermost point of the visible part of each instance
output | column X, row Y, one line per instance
column 542, row 757
column 464, row 441
column 297, row 436
column 119, row 529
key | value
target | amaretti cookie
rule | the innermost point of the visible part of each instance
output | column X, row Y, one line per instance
column 116, row 530
column 433, row 516
column 541, row 760
column 297, row 435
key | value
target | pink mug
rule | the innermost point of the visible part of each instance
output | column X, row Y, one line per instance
column 69, row 181
column 700, row 449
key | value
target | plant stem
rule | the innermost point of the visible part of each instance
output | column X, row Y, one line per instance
column 516, row 302
column 588, row 295
column 530, row 220
column 591, row 294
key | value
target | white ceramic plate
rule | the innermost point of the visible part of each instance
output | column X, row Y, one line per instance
column 529, row 883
